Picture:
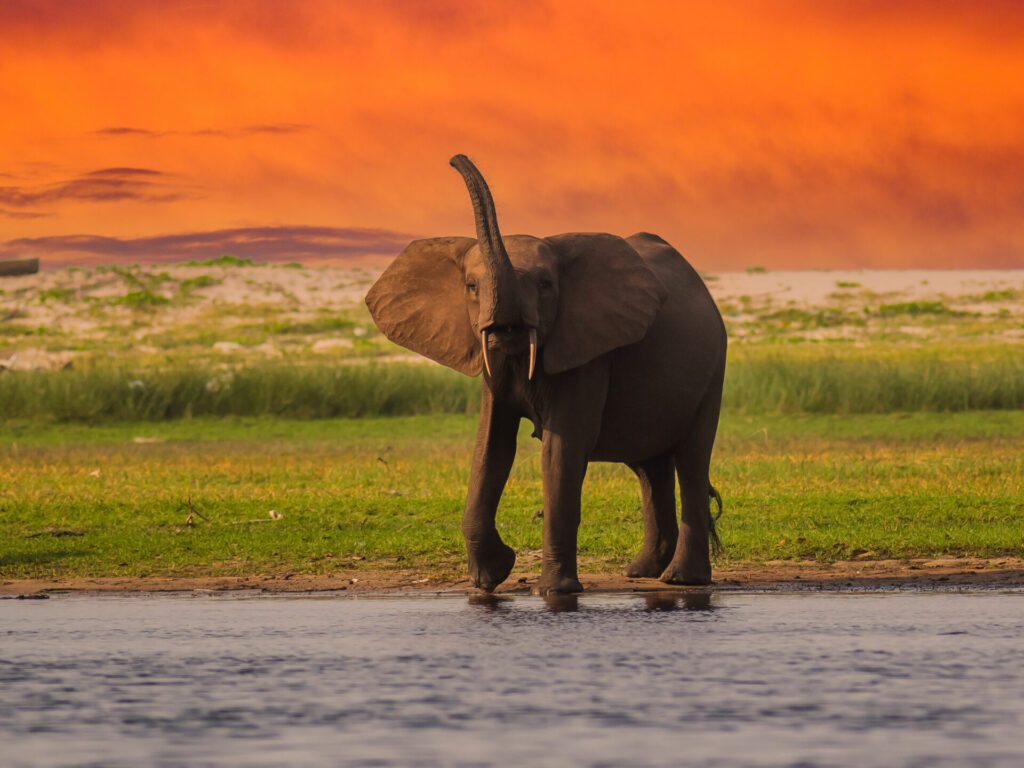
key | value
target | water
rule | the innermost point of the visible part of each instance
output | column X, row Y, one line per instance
column 723, row 680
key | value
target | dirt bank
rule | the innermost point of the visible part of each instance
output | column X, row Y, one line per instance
column 769, row 577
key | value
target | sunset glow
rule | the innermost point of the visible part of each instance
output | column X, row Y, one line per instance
column 793, row 134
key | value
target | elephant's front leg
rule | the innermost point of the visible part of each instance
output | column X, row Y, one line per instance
column 490, row 559
column 564, row 467
column 572, row 423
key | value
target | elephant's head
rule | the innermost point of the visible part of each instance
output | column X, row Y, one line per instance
column 459, row 301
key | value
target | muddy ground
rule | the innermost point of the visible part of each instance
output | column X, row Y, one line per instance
column 851, row 575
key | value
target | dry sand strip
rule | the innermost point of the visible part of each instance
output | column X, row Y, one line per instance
column 842, row 576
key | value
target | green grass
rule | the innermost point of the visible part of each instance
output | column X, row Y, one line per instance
column 112, row 500
column 322, row 391
column 879, row 379
column 760, row 379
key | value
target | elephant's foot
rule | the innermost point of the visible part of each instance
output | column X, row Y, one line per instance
column 687, row 574
column 490, row 569
column 650, row 564
column 556, row 584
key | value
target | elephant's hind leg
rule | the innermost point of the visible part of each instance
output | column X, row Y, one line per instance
column 691, row 563
column 661, row 530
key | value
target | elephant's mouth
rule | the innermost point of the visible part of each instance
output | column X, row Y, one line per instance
column 510, row 340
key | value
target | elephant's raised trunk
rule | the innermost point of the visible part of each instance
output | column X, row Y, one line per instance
column 499, row 298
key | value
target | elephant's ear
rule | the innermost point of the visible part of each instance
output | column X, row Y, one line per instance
column 420, row 303
column 607, row 298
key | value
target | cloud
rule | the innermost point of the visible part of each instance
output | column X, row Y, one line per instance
column 991, row 21
column 123, row 172
column 104, row 185
column 122, row 130
column 287, row 243
column 24, row 215
column 273, row 129
column 303, row 24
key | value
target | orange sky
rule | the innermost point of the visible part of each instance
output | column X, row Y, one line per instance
column 783, row 133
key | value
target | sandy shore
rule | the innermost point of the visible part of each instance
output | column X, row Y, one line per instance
column 333, row 288
column 820, row 287
column 58, row 318
column 781, row 576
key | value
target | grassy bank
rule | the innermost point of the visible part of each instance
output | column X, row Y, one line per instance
column 761, row 379
column 298, row 391
column 384, row 493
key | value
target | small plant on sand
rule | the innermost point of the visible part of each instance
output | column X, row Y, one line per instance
column 227, row 260
column 800, row 318
column 916, row 308
column 57, row 294
column 194, row 283
column 320, row 325
column 1007, row 295
column 143, row 299
column 20, row 330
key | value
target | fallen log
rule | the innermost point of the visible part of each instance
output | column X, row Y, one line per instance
column 12, row 267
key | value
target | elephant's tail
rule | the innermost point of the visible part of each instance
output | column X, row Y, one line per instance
column 716, row 542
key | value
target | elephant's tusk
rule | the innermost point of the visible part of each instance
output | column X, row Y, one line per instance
column 483, row 343
column 533, row 353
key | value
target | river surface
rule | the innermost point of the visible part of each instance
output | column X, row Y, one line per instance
column 720, row 680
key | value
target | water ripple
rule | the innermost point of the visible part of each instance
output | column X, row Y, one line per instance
column 765, row 680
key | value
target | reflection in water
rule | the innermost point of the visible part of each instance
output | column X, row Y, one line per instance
column 562, row 603
column 554, row 603
column 674, row 601
column 489, row 600
column 662, row 600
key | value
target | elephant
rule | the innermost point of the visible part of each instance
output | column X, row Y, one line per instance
column 612, row 347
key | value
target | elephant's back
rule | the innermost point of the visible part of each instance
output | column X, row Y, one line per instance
column 680, row 279
column 689, row 308
column 656, row 384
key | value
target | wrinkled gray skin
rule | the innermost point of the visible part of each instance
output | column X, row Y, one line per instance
column 630, row 364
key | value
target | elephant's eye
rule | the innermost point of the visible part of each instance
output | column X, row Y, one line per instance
column 471, row 287
column 544, row 285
